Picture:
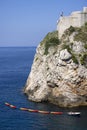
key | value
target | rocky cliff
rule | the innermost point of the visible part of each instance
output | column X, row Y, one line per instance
column 59, row 70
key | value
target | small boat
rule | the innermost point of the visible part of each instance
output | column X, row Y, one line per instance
column 74, row 113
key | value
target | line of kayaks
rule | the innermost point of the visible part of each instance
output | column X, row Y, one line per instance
column 43, row 112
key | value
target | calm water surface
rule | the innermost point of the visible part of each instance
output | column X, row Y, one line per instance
column 15, row 65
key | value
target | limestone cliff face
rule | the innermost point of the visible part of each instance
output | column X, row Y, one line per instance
column 59, row 70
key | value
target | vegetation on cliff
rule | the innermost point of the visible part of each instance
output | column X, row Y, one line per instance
column 51, row 40
column 82, row 34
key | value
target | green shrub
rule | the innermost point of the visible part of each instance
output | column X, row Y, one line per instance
column 74, row 59
column 85, row 46
column 71, row 43
column 71, row 29
column 82, row 34
column 86, row 24
column 51, row 39
column 65, row 46
column 83, row 59
column 51, row 42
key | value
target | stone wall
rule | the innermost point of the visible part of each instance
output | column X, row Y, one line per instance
column 76, row 19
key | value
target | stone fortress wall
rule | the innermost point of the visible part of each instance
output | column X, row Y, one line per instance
column 76, row 19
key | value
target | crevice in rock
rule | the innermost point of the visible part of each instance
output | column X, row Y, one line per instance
column 51, row 84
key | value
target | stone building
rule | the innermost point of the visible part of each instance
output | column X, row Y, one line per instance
column 76, row 19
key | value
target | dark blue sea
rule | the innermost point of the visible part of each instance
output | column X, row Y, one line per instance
column 15, row 65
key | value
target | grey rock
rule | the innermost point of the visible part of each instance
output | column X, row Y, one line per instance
column 65, row 55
